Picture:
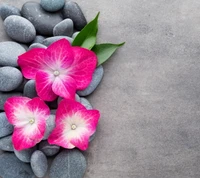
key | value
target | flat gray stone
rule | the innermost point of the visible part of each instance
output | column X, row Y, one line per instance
column 48, row 149
column 25, row 155
column 68, row 164
column 9, row 52
column 36, row 45
column 7, row 10
column 6, row 143
column 39, row 163
column 64, row 28
column 5, row 127
column 86, row 103
column 52, row 5
column 11, row 167
column 29, row 89
column 50, row 125
column 10, row 78
column 19, row 29
column 51, row 40
column 96, row 79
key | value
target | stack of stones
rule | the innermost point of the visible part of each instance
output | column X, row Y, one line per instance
column 37, row 25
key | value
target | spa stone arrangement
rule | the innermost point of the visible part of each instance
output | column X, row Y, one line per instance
column 36, row 28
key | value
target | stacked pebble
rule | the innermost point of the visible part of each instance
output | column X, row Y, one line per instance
column 38, row 25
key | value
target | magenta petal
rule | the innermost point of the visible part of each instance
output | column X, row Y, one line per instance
column 85, row 62
column 81, row 142
column 31, row 62
column 44, row 83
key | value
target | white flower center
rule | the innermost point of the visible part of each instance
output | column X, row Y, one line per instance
column 73, row 127
column 56, row 73
column 32, row 121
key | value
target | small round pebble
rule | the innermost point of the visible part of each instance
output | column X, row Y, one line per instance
column 9, row 52
column 75, row 34
column 25, row 155
column 10, row 78
column 39, row 163
column 96, row 79
column 86, row 103
column 5, row 127
column 29, row 89
column 21, row 86
column 36, row 45
column 51, row 40
column 48, row 149
column 38, row 39
column 19, row 29
column 50, row 125
column 52, row 5
column 6, row 143
column 7, row 10
column 68, row 164
column 64, row 28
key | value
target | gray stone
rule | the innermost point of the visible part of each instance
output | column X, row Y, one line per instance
column 96, row 79
column 36, row 45
column 50, row 125
column 38, row 39
column 9, row 52
column 51, row 40
column 64, row 28
column 73, row 11
column 7, row 10
column 43, row 21
column 92, row 137
column 21, row 86
column 75, row 34
column 39, row 163
column 77, row 98
column 48, row 149
column 5, row 96
column 25, row 155
column 86, row 103
column 11, row 167
column 5, row 127
column 29, row 89
column 6, row 143
column 68, row 164
column 10, row 78
column 53, row 111
column 19, row 29
column 52, row 5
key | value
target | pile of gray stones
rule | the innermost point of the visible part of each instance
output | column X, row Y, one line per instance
column 37, row 25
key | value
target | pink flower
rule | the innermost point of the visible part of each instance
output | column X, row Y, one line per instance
column 74, row 125
column 59, row 70
column 29, row 119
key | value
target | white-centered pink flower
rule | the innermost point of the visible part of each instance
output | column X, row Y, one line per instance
column 59, row 70
column 29, row 119
column 74, row 125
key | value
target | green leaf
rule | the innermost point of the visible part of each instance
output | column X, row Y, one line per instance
column 87, row 36
column 104, row 51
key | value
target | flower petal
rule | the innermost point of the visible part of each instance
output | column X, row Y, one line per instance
column 31, row 62
column 80, row 142
column 44, row 83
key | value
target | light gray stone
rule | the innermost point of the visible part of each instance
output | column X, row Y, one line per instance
column 48, row 149
column 96, row 79
column 7, row 10
column 29, row 89
column 10, row 78
column 39, row 163
column 36, row 45
column 50, row 125
column 64, row 28
column 51, row 40
column 52, row 5
column 11, row 167
column 75, row 34
column 6, row 143
column 9, row 52
column 5, row 127
column 68, row 164
column 19, row 29
column 86, row 103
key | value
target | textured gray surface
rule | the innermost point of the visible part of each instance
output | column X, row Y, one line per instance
column 149, row 97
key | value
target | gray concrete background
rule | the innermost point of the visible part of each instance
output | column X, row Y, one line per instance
column 150, row 94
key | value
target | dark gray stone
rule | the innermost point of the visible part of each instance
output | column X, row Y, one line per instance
column 9, row 52
column 21, row 86
column 53, row 111
column 51, row 40
column 29, row 89
column 38, row 39
column 50, row 125
column 92, row 137
column 36, row 45
column 48, row 149
column 39, row 163
column 43, row 21
column 64, row 28
column 6, row 143
column 73, row 11
column 52, row 5
column 5, row 96
column 5, row 127
column 68, row 164
column 96, row 79
column 19, row 29
column 7, row 10
column 86, row 103
column 10, row 78
column 25, row 155
column 11, row 167
column 75, row 34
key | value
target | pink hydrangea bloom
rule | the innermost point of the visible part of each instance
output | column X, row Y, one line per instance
column 74, row 125
column 29, row 119
column 59, row 70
